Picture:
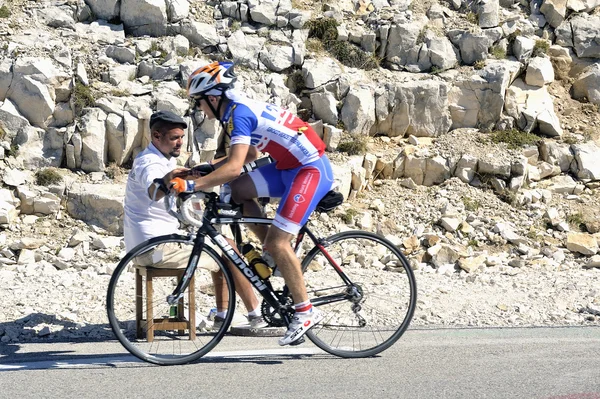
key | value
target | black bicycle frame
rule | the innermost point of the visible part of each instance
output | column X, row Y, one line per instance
column 211, row 217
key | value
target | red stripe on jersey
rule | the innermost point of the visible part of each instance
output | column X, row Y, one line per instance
column 282, row 155
column 301, row 193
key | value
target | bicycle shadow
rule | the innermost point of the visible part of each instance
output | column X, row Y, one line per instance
column 72, row 345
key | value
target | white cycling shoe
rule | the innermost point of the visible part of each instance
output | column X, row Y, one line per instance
column 300, row 325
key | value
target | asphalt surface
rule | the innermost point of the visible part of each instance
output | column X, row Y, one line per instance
column 557, row 363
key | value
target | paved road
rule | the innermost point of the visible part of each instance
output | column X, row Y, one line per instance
column 557, row 363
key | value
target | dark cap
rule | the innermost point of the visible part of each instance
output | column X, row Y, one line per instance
column 167, row 116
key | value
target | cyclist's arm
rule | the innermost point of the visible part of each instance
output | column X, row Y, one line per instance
column 252, row 155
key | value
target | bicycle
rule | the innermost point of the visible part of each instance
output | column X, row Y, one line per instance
column 361, row 281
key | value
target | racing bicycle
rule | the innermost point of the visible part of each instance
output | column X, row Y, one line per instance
column 360, row 280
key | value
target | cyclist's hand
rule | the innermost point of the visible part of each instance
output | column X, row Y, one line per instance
column 182, row 186
column 202, row 169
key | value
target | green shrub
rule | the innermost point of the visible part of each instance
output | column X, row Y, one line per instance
column 514, row 138
column 82, row 97
column 47, row 177
column 357, row 145
column 13, row 151
column 4, row 12
column 472, row 18
column 471, row 204
column 323, row 29
column 235, row 26
column 349, row 215
column 541, row 47
column 498, row 52
column 479, row 64
column 352, row 56
column 577, row 220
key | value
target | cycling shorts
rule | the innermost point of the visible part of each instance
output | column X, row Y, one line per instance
column 300, row 190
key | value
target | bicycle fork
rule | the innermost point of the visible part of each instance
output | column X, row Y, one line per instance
column 183, row 284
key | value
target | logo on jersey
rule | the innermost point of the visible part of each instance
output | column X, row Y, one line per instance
column 299, row 198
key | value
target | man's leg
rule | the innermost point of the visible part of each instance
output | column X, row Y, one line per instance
column 242, row 285
column 221, row 293
column 244, row 193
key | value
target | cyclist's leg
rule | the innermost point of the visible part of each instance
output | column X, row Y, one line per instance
column 305, row 186
column 262, row 182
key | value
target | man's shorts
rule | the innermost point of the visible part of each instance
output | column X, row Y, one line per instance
column 173, row 256
column 300, row 190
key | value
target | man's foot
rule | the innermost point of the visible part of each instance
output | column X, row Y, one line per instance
column 218, row 322
column 257, row 322
column 300, row 325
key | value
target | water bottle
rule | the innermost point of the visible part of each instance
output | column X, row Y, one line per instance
column 211, row 314
column 225, row 195
column 256, row 261
column 266, row 255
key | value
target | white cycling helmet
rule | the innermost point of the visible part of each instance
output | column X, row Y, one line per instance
column 211, row 80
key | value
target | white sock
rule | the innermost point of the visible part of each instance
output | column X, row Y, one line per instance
column 222, row 314
column 255, row 312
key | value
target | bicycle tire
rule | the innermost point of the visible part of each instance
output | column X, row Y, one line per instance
column 389, row 294
column 168, row 347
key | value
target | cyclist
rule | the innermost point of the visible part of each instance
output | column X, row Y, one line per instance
column 146, row 216
column 300, row 174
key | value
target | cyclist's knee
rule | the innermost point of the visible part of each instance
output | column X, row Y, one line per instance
column 242, row 189
column 278, row 240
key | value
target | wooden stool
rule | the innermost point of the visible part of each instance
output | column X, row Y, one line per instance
column 179, row 323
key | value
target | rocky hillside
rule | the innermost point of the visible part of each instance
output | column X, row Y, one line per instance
column 467, row 133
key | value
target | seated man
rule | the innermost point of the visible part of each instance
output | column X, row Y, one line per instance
column 300, row 174
column 146, row 216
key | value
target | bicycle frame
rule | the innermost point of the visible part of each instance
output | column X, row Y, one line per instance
column 211, row 218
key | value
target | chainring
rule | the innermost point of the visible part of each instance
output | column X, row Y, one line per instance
column 271, row 315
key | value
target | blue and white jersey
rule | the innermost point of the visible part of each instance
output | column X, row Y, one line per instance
column 273, row 130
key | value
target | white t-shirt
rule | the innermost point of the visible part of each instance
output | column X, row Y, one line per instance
column 145, row 218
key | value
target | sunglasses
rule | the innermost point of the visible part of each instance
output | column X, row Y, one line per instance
column 196, row 102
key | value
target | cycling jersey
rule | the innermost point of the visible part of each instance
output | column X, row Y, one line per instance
column 288, row 139
column 301, row 174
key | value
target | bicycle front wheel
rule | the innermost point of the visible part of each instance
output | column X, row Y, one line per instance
column 142, row 319
column 366, row 289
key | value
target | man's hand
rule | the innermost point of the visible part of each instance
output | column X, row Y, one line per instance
column 182, row 186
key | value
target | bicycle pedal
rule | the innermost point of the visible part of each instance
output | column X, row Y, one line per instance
column 299, row 341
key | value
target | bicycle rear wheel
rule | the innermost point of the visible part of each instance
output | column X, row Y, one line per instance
column 171, row 343
column 370, row 308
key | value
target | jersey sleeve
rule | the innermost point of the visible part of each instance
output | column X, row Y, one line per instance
column 241, row 125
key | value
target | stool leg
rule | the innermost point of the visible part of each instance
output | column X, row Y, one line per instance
column 149, row 310
column 139, row 306
column 192, row 306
